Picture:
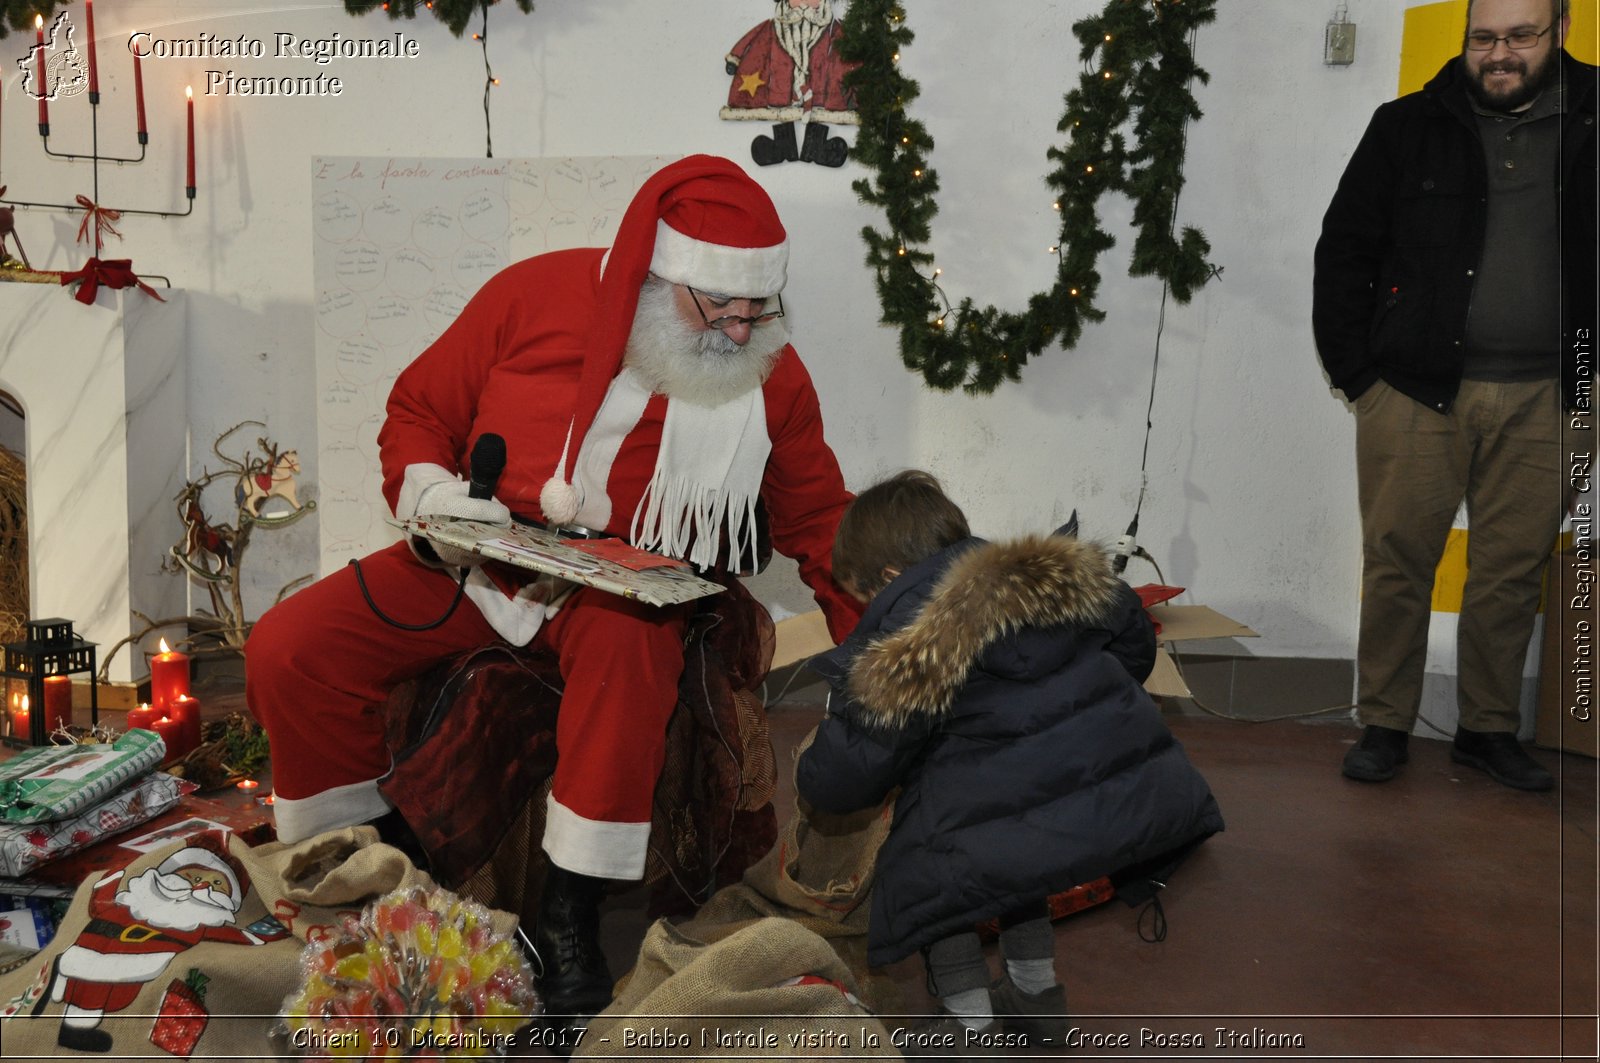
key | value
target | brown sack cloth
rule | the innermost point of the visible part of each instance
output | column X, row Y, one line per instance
column 190, row 950
column 772, row 988
column 819, row 874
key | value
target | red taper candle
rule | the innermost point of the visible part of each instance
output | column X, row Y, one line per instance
column 94, row 67
column 189, row 183
column 138, row 98
column 41, row 86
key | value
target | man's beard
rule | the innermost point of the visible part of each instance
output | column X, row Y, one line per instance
column 798, row 30
column 1534, row 81
column 704, row 368
column 171, row 901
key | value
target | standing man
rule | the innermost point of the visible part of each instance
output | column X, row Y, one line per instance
column 1455, row 270
column 646, row 391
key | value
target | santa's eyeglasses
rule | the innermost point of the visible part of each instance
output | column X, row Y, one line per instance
column 729, row 320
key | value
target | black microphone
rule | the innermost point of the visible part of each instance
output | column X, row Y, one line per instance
column 488, row 462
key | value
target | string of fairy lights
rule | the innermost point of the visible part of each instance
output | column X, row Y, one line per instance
column 1138, row 65
column 456, row 15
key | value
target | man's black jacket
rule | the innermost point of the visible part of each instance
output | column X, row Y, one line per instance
column 1404, row 234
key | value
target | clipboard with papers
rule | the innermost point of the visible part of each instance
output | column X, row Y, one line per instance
column 607, row 564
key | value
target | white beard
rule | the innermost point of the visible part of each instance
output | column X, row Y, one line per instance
column 798, row 30
column 703, row 368
column 170, row 901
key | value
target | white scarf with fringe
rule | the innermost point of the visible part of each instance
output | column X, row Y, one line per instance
column 707, row 475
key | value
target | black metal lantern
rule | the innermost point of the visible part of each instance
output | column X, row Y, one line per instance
column 50, row 650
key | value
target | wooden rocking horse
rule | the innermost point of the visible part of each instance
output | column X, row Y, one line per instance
column 272, row 478
column 8, row 232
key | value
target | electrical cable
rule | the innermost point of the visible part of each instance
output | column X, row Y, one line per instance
column 361, row 581
column 1155, row 364
column 488, row 83
column 1177, row 661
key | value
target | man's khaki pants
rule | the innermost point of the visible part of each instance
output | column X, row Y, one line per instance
column 1499, row 447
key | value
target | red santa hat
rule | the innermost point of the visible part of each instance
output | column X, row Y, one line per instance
column 700, row 221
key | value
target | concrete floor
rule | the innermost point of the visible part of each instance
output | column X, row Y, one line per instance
column 1438, row 916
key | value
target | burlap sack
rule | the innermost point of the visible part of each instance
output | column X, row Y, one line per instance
column 771, row 988
column 136, row 970
column 819, row 874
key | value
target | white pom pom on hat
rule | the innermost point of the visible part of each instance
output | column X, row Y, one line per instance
column 559, row 500
column 700, row 221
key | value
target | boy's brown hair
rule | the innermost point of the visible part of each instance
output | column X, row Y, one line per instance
column 892, row 525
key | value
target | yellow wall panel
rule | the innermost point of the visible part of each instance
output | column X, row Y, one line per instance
column 1433, row 34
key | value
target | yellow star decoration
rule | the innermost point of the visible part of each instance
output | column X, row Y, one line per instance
column 750, row 83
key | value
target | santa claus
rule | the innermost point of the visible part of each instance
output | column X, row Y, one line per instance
column 788, row 69
column 646, row 391
column 135, row 929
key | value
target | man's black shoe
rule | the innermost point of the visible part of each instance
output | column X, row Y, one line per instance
column 1502, row 756
column 1377, row 756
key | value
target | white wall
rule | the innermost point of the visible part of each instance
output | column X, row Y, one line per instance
column 1250, row 501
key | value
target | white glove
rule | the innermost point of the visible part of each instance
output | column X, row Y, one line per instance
column 449, row 498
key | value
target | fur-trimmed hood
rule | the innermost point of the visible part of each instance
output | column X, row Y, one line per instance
column 986, row 594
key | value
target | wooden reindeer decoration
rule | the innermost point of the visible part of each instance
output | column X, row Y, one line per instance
column 8, row 231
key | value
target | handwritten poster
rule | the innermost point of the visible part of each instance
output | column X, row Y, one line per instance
column 400, row 246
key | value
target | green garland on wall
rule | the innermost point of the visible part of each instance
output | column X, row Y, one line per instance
column 18, row 15
column 1138, row 64
column 453, row 13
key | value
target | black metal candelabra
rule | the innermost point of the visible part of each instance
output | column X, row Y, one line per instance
column 99, row 215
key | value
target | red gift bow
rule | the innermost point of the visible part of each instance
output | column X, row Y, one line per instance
column 102, row 218
column 115, row 273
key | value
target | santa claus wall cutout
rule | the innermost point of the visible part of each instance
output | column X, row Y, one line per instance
column 788, row 70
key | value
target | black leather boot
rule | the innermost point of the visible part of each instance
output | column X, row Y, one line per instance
column 394, row 830
column 822, row 149
column 781, row 146
column 573, row 979
column 1378, row 756
column 1502, row 756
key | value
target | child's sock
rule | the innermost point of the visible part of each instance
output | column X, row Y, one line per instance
column 1028, row 944
column 971, row 1006
column 1032, row 976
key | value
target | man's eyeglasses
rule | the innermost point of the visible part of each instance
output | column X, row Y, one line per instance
column 729, row 320
column 1518, row 41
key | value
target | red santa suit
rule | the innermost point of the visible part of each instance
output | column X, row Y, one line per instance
column 536, row 357
column 763, row 80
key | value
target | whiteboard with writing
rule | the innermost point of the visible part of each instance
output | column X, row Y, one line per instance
column 401, row 244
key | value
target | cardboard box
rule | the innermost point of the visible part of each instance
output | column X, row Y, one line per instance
column 1180, row 623
column 801, row 636
column 1565, row 718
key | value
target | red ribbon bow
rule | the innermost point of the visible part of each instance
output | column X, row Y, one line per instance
column 116, row 273
column 102, row 218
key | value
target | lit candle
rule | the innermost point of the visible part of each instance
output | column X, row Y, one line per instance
column 19, row 716
column 142, row 717
column 41, row 87
column 138, row 95
column 171, row 732
column 169, row 677
column 247, row 784
column 189, row 184
column 57, row 702
column 94, row 67
column 186, row 710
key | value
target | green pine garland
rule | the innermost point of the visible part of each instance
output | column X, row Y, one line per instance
column 1138, row 65
column 453, row 13
column 18, row 15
